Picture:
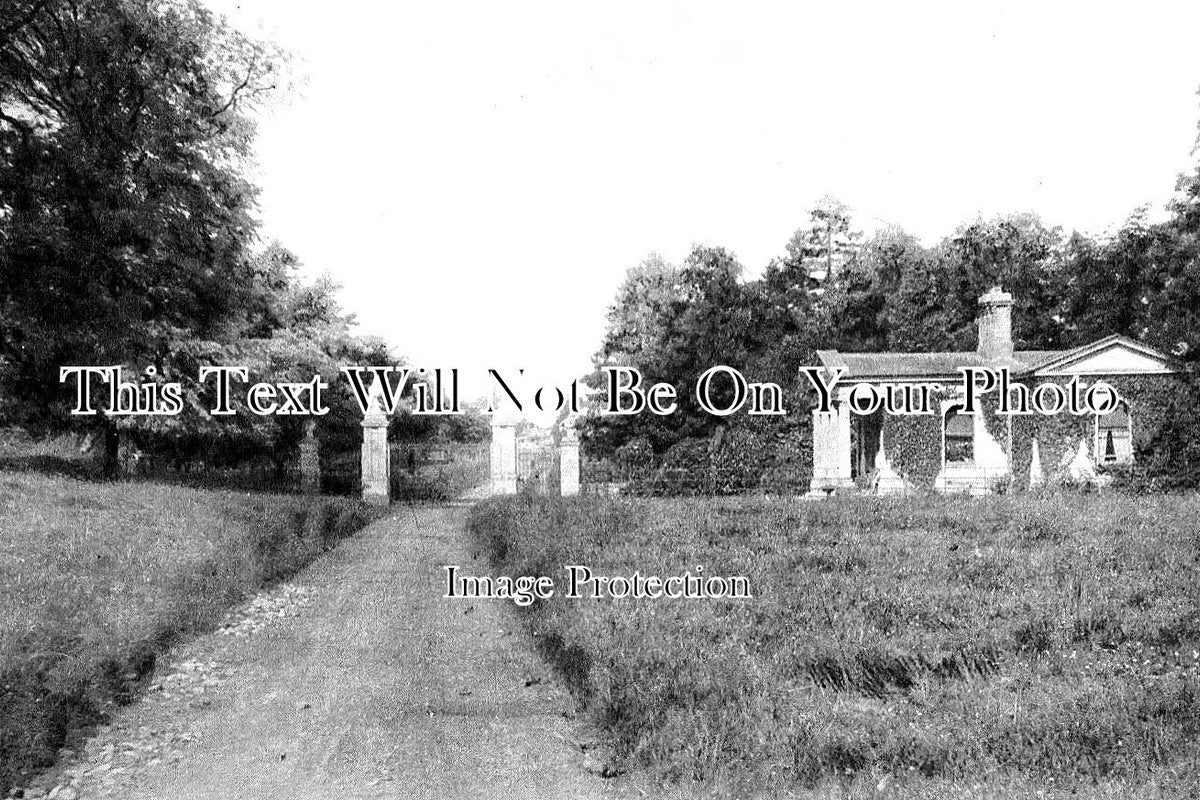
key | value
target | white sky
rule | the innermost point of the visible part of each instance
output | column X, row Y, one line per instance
column 480, row 175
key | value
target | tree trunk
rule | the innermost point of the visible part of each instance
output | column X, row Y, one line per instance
column 281, row 470
column 109, row 465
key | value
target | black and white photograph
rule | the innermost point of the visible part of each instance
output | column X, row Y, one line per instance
column 563, row 401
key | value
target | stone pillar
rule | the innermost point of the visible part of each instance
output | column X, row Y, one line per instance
column 831, row 450
column 504, row 459
column 310, row 461
column 823, row 443
column 568, row 463
column 376, row 460
column 843, row 439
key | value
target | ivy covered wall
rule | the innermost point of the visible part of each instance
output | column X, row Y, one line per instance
column 1058, row 436
column 758, row 455
column 914, row 446
column 914, row 443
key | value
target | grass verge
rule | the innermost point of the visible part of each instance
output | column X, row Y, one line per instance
column 100, row 578
column 940, row 647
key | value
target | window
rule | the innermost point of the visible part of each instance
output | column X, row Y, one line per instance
column 959, row 432
column 1114, row 437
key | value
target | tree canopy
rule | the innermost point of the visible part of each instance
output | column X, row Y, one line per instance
column 127, row 216
column 128, row 229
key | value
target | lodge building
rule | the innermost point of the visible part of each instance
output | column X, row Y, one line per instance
column 986, row 451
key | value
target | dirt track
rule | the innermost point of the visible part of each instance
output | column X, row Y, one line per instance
column 357, row 679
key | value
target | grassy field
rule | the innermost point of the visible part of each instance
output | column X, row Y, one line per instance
column 941, row 647
column 99, row 578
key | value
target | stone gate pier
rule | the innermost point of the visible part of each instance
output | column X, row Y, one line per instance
column 310, row 460
column 376, row 460
column 503, row 466
column 504, row 472
column 568, row 461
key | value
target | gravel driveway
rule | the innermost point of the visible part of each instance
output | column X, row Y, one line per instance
column 355, row 679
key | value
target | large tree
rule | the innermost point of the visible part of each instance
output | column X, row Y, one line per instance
column 1017, row 252
column 673, row 324
column 1171, row 296
column 819, row 250
column 125, row 215
column 636, row 317
column 1107, row 287
column 857, row 310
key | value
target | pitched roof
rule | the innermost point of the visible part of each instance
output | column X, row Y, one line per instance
column 861, row 366
column 934, row 366
column 1067, row 356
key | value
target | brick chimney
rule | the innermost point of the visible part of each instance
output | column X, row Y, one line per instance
column 995, row 325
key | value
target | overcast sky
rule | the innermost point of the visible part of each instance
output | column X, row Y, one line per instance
column 480, row 175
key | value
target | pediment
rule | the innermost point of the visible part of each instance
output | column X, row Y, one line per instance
column 1114, row 355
